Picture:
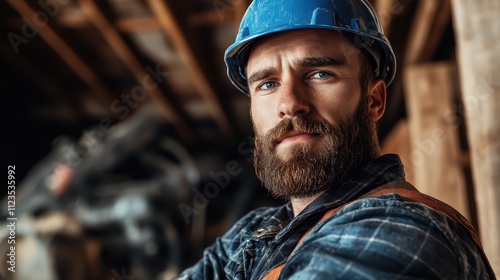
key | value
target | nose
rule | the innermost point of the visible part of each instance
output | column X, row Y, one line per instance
column 293, row 101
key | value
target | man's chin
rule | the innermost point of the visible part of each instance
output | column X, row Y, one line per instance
column 295, row 151
column 297, row 191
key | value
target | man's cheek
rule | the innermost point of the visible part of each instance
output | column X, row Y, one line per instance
column 258, row 130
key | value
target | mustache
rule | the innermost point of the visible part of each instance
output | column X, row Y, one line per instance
column 298, row 123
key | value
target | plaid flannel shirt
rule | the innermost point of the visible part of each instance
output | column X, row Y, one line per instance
column 387, row 237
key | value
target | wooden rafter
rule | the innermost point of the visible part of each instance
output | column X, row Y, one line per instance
column 477, row 32
column 221, row 13
column 442, row 19
column 239, row 10
column 211, row 17
column 137, row 24
column 68, row 55
column 427, row 29
column 72, row 18
column 77, row 19
column 174, row 32
column 386, row 9
column 127, row 56
column 436, row 154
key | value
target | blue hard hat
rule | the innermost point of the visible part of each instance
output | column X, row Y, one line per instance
column 356, row 17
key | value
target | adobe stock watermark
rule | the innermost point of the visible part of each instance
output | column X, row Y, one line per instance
column 455, row 117
column 47, row 10
column 219, row 180
column 123, row 107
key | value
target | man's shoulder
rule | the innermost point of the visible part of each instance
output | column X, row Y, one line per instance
column 403, row 200
column 399, row 207
column 405, row 209
column 415, row 228
column 395, row 234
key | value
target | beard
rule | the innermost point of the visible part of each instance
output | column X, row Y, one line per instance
column 310, row 170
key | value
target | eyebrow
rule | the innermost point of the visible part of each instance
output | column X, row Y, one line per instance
column 321, row 61
column 261, row 74
column 305, row 62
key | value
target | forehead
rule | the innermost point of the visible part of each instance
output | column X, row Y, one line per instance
column 309, row 42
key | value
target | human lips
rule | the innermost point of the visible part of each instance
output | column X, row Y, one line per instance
column 295, row 136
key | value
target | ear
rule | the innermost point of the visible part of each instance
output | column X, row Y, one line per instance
column 376, row 99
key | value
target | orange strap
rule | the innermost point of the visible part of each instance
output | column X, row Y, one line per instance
column 275, row 272
column 403, row 189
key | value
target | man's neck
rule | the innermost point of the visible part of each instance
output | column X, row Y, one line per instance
column 298, row 204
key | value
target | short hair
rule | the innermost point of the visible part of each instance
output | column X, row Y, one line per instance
column 366, row 73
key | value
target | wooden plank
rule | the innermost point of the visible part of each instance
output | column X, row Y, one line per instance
column 239, row 10
column 398, row 142
column 386, row 9
column 67, row 54
column 439, row 25
column 137, row 24
column 211, row 17
column 477, row 32
column 222, row 12
column 174, row 32
column 111, row 35
column 77, row 19
column 72, row 18
column 423, row 25
column 435, row 155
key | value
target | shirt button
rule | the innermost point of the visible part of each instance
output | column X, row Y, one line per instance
column 260, row 232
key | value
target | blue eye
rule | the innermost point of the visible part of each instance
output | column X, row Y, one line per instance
column 267, row 85
column 321, row 75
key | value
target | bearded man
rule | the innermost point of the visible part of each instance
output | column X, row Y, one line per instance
column 316, row 72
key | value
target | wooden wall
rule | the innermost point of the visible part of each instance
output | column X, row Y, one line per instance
column 477, row 29
column 447, row 99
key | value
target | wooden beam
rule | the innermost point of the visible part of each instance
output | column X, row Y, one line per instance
column 386, row 9
column 211, row 17
column 239, row 10
column 67, row 54
column 149, row 84
column 428, row 26
column 77, row 19
column 398, row 142
column 72, row 18
column 174, row 32
column 477, row 33
column 137, row 24
column 222, row 12
column 436, row 154
column 443, row 17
